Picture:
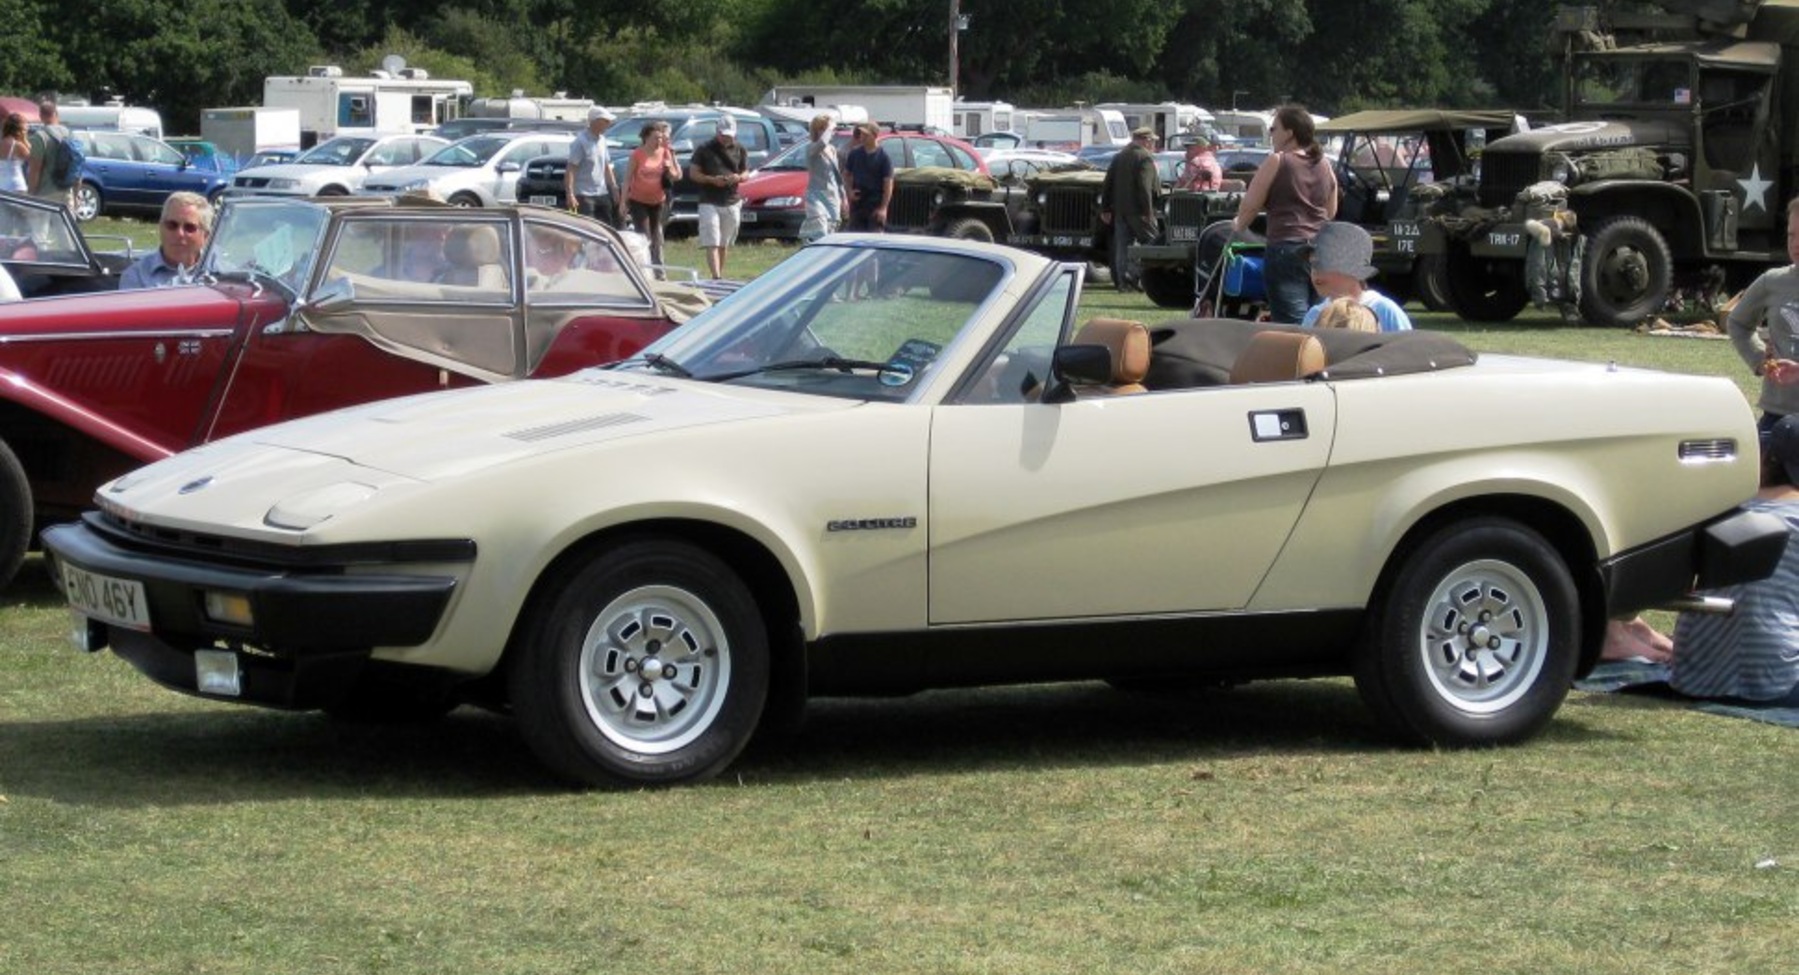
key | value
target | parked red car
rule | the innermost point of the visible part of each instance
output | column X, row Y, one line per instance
column 774, row 203
column 305, row 306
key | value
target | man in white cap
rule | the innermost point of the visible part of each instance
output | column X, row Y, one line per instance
column 590, row 184
column 1342, row 258
column 717, row 167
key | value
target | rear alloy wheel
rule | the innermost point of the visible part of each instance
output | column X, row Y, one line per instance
column 649, row 666
column 1482, row 290
column 87, row 201
column 968, row 228
column 1169, row 287
column 1476, row 639
column 1626, row 273
column 15, row 514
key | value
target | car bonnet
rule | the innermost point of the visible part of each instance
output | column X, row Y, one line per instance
column 433, row 438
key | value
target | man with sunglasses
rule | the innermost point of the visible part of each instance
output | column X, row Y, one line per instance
column 186, row 225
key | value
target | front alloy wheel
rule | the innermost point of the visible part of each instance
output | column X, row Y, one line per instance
column 1475, row 639
column 649, row 665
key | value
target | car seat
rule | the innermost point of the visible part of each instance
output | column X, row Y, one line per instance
column 1278, row 356
column 1128, row 342
column 474, row 256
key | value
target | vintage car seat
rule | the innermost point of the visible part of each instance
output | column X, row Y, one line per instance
column 1128, row 342
column 474, row 256
column 1278, row 357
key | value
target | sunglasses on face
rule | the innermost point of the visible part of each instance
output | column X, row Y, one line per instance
column 177, row 225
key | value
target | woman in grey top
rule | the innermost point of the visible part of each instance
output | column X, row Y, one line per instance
column 1772, row 301
column 824, row 183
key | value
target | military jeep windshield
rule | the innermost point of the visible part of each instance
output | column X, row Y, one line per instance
column 1633, row 81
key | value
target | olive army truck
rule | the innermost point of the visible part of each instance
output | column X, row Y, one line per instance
column 1389, row 165
column 1669, row 175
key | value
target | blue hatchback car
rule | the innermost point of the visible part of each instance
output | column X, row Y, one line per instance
column 135, row 172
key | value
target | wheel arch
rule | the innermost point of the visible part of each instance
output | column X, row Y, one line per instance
column 1673, row 212
column 55, row 439
column 993, row 214
column 760, row 568
column 1562, row 528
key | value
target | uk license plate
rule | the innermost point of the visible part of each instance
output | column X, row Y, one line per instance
column 543, row 201
column 121, row 602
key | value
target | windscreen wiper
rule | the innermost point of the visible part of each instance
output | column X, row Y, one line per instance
column 828, row 362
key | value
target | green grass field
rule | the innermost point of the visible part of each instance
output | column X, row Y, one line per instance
column 1264, row 829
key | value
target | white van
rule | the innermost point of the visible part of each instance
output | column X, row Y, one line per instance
column 114, row 117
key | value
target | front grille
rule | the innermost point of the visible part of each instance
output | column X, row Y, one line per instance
column 910, row 206
column 1070, row 209
column 544, row 169
column 252, row 182
column 1504, row 174
column 1186, row 214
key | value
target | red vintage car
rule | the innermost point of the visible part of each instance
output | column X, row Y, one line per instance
column 304, row 306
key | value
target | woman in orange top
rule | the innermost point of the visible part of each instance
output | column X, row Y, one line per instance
column 648, row 180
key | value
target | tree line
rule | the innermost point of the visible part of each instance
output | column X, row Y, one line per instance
column 180, row 56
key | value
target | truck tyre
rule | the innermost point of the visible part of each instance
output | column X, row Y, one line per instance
column 15, row 514
column 1168, row 287
column 1626, row 274
column 1481, row 290
column 1430, row 282
column 969, row 228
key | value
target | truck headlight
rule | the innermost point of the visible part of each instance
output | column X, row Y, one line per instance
column 1559, row 168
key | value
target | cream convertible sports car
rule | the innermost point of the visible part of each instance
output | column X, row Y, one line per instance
column 896, row 463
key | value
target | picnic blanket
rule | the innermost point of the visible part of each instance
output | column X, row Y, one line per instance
column 1643, row 677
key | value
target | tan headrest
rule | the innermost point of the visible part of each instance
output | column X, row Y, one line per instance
column 1128, row 342
column 1278, row 357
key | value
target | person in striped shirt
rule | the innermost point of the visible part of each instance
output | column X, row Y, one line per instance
column 1752, row 653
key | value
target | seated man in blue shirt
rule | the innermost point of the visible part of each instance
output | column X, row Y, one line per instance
column 186, row 225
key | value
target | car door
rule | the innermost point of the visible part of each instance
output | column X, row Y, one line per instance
column 510, row 164
column 164, row 170
column 1161, row 502
column 406, row 329
column 110, row 165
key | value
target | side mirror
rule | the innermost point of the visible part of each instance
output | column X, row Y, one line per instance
column 1077, row 365
column 507, row 167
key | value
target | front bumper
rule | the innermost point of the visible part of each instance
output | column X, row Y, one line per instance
column 1163, row 255
column 314, row 624
column 759, row 224
column 1739, row 546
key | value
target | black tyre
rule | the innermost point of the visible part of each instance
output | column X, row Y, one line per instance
column 334, row 191
column 15, row 514
column 87, row 202
column 1482, row 290
column 968, row 228
column 465, row 200
column 1430, row 282
column 1626, row 273
column 649, row 665
column 1169, row 287
column 1475, row 639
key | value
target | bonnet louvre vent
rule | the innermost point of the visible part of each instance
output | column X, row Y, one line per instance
column 554, row 430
